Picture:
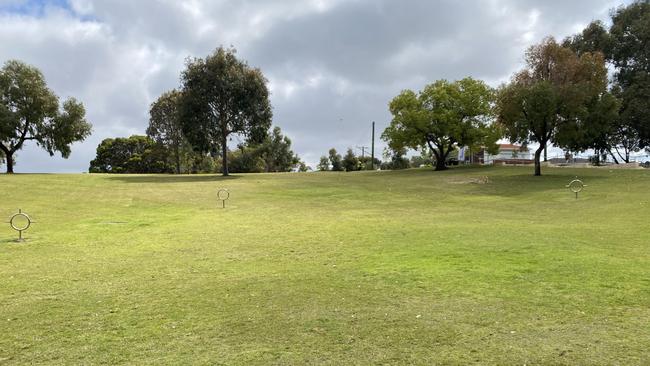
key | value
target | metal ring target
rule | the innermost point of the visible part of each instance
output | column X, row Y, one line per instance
column 576, row 186
column 223, row 194
column 17, row 228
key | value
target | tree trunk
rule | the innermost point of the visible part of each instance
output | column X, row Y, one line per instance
column 178, row 160
column 224, row 152
column 538, row 164
column 613, row 157
column 10, row 162
column 545, row 153
column 440, row 164
column 440, row 160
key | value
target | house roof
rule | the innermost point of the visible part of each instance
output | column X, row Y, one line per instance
column 512, row 147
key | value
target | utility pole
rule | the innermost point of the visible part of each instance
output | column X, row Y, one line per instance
column 372, row 156
column 363, row 150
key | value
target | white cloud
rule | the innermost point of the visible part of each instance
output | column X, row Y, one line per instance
column 333, row 65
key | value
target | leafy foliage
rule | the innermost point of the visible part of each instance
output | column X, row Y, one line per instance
column 246, row 159
column 29, row 110
column 365, row 162
column 324, row 164
column 441, row 116
column 166, row 129
column 222, row 95
column 276, row 152
column 556, row 98
column 273, row 154
column 134, row 154
column 397, row 160
column 630, row 54
column 351, row 162
column 335, row 160
column 626, row 46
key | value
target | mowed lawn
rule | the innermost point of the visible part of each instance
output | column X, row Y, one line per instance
column 409, row 267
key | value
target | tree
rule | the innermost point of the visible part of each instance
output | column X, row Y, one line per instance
column 441, row 116
column 166, row 129
column 594, row 38
column 246, row 159
column 134, row 154
column 324, row 164
column 302, row 167
column 222, row 95
column 625, row 46
column 335, row 160
column 366, row 162
column 630, row 54
column 351, row 162
column 397, row 160
column 29, row 110
column 273, row 154
column 276, row 152
column 553, row 98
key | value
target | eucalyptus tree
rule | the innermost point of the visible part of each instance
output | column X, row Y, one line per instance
column 323, row 164
column 625, row 44
column 165, row 126
column 630, row 54
column 335, row 160
column 222, row 95
column 30, row 111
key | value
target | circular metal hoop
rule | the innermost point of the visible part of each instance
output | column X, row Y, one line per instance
column 576, row 186
column 223, row 194
column 17, row 228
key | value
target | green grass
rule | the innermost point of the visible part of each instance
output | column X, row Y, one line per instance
column 411, row 267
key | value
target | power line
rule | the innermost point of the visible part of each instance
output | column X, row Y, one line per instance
column 363, row 150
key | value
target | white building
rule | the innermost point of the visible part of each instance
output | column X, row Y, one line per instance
column 509, row 154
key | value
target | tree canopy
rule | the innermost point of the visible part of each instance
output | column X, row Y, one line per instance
column 557, row 98
column 323, row 164
column 222, row 95
column 335, row 160
column 273, row 154
column 166, row 129
column 443, row 115
column 630, row 54
column 134, row 154
column 351, row 162
column 626, row 46
column 275, row 151
column 30, row 111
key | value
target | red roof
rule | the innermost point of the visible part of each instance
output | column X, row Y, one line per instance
column 512, row 147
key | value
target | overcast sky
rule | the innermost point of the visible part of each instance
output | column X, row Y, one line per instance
column 332, row 65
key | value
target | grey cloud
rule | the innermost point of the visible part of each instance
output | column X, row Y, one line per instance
column 325, row 60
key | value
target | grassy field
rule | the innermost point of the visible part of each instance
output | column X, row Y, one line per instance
column 410, row 267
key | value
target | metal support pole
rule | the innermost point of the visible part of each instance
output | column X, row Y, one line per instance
column 372, row 157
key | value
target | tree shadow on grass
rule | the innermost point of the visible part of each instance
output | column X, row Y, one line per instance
column 166, row 179
column 524, row 184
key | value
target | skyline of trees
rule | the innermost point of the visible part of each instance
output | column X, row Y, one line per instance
column 562, row 97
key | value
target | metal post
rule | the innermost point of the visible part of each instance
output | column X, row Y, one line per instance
column 372, row 156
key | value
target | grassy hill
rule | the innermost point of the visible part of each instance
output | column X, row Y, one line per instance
column 402, row 267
